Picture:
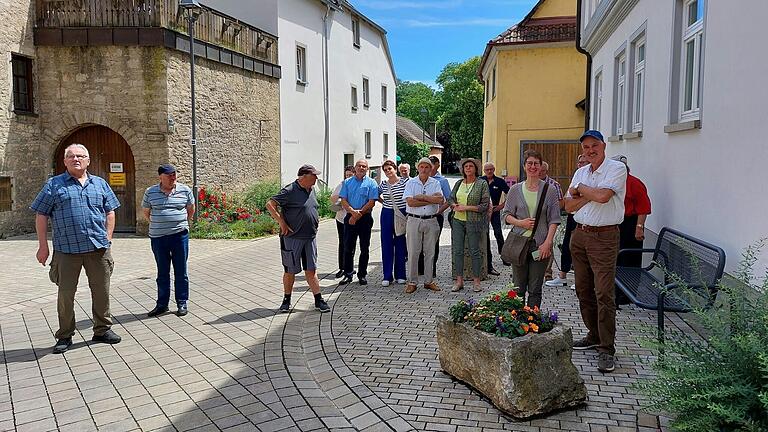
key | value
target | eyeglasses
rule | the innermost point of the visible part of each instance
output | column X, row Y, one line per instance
column 74, row 156
column 532, row 163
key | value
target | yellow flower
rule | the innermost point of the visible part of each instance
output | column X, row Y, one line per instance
column 534, row 328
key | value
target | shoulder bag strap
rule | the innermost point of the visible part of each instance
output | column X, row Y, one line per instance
column 395, row 208
column 540, row 206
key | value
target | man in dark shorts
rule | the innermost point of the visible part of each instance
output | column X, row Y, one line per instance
column 298, row 219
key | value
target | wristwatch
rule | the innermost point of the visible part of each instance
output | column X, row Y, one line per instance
column 640, row 226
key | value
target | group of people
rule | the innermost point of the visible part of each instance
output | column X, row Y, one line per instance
column 606, row 207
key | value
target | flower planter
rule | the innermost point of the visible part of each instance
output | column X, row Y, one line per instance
column 524, row 377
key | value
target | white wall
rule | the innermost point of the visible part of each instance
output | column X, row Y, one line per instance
column 302, row 120
column 706, row 182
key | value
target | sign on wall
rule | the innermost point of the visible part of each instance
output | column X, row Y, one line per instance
column 115, row 167
column 117, row 179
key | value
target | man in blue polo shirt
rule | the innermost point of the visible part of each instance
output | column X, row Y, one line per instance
column 81, row 208
column 168, row 206
column 358, row 196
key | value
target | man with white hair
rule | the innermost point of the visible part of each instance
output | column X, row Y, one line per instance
column 405, row 170
column 81, row 207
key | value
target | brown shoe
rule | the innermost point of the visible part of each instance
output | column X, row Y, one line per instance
column 432, row 286
column 410, row 288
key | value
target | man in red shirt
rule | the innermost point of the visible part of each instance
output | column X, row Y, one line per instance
column 637, row 207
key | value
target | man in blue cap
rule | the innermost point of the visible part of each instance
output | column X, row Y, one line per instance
column 168, row 206
column 596, row 199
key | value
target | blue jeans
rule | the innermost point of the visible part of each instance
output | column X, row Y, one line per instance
column 171, row 249
column 392, row 247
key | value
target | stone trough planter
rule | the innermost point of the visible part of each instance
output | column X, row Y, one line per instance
column 524, row 377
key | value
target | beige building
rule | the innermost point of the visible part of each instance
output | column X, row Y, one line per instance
column 118, row 81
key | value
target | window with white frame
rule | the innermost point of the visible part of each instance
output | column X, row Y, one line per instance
column 620, row 98
column 368, row 144
column 691, row 62
column 493, row 83
column 356, row 31
column 638, row 82
column 354, row 98
column 597, row 104
column 385, row 139
column 366, row 93
column 487, row 96
column 384, row 96
column 301, row 64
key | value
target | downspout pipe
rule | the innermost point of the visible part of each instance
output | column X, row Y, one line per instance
column 587, row 97
column 326, row 101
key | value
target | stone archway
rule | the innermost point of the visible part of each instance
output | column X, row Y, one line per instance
column 112, row 160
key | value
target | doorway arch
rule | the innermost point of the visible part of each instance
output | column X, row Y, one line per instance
column 112, row 160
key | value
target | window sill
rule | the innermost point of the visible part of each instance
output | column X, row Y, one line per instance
column 633, row 135
column 301, row 83
column 614, row 138
column 367, row 156
column 26, row 113
column 356, row 45
column 354, row 109
column 366, row 106
column 383, row 110
column 682, row 126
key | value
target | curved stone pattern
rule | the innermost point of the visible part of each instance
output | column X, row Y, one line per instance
column 525, row 376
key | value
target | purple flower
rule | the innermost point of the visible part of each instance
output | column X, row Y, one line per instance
column 553, row 316
column 471, row 302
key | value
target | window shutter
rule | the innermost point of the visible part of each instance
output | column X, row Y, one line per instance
column 6, row 201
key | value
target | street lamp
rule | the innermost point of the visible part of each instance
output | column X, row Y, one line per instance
column 424, row 113
column 193, row 9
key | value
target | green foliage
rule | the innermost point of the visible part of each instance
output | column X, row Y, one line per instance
column 324, row 202
column 258, row 226
column 411, row 153
column 259, row 193
column 412, row 97
column 720, row 382
column 462, row 98
column 504, row 314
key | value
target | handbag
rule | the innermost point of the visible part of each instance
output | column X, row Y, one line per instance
column 516, row 246
column 400, row 220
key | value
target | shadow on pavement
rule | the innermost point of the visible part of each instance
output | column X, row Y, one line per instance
column 30, row 355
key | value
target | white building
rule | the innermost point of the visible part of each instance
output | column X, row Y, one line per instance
column 678, row 86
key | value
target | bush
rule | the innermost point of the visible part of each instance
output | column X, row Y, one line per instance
column 411, row 153
column 258, row 226
column 324, row 202
column 718, row 382
column 257, row 195
column 504, row 314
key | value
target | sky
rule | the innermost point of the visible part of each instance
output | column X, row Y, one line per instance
column 425, row 35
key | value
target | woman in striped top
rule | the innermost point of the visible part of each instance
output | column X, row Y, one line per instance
column 392, row 245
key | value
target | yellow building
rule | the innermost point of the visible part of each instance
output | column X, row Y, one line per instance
column 534, row 82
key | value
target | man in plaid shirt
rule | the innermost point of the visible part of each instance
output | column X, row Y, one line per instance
column 81, row 208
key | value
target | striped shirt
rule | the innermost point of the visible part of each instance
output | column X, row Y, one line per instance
column 78, row 212
column 168, row 212
column 386, row 189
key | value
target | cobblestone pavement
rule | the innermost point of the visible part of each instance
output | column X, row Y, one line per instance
column 233, row 364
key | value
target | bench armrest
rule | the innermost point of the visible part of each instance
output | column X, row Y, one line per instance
column 636, row 250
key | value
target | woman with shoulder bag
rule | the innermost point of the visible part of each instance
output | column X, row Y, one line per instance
column 349, row 171
column 524, row 203
column 392, row 225
column 469, row 222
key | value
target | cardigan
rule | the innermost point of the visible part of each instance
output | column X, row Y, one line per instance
column 517, row 207
column 479, row 196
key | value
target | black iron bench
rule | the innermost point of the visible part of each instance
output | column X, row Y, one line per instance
column 681, row 264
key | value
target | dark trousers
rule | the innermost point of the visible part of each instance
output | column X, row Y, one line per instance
column 566, row 262
column 392, row 247
column 627, row 240
column 171, row 250
column 496, row 224
column 594, row 265
column 362, row 230
column 529, row 277
column 440, row 220
column 340, row 233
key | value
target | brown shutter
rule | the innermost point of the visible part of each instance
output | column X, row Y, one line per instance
column 6, row 200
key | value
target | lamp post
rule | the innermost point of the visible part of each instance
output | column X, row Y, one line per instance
column 424, row 113
column 193, row 9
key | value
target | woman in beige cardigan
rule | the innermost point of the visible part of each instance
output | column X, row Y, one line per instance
column 469, row 222
column 519, row 211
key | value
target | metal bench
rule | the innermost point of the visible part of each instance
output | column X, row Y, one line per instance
column 681, row 264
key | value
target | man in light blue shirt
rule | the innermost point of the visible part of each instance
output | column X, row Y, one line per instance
column 358, row 196
column 167, row 206
column 445, row 187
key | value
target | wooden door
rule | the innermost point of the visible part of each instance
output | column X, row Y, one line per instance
column 560, row 155
column 112, row 160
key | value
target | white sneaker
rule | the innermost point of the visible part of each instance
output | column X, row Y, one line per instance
column 556, row 282
column 385, row 283
column 401, row 281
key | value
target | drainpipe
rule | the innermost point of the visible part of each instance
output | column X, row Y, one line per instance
column 326, row 106
column 587, row 98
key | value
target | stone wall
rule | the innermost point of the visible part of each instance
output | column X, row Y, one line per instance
column 238, row 123
column 18, row 133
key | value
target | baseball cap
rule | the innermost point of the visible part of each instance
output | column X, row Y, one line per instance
column 166, row 169
column 308, row 169
column 424, row 160
column 592, row 133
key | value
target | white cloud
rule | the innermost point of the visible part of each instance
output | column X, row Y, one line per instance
column 491, row 22
column 394, row 5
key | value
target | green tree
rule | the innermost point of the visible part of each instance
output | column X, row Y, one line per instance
column 461, row 96
column 411, row 153
column 413, row 96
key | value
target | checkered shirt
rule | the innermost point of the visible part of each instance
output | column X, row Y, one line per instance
column 78, row 212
